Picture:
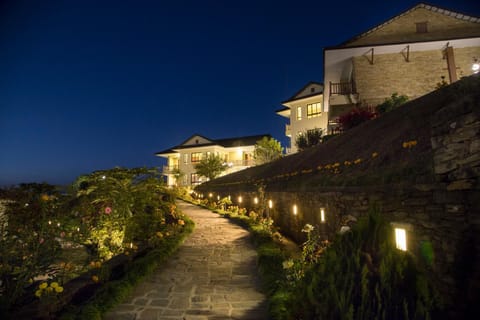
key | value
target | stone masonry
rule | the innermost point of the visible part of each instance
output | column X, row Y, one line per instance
column 212, row 276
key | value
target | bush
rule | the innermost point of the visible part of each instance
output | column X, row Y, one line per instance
column 391, row 103
column 355, row 117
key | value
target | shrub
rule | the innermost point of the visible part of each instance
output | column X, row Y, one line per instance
column 391, row 103
column 355, row 117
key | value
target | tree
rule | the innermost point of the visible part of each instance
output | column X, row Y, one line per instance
column 266, row 150
column 178, row 175
column 210, row 167
column 309, row 139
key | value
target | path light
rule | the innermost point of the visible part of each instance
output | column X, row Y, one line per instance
column 229, row 198
column 295, row 209
column 322, row 214
column 401, row 239
column 270, row 204
column 255, row 200
column 475, row 65
column 210, row 195
column 218, row 197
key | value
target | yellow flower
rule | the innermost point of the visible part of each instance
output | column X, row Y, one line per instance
column 347, row 163
column 319, row 167
column 43, row 285
column 38, row 293
column 45, row 197
column 374, row 155
column 95, row 278
column 59, row 289
column 98, row 264
column 49, row 289
column 357, row 161
column 405, row 145
column 159, row 234
column 54, row 285
column 181, row 222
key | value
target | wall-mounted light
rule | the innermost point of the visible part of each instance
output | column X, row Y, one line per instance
column 210, row 195
column 240, row 199
column 401, row 239
column 322, row 215
column 255, row 200
column 229, row 198
column 475, row 65
column 295, row 209
column 270, row 204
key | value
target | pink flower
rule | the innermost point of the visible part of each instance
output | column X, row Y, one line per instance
column 41, row 240
column 62, row 234
column 108, row 210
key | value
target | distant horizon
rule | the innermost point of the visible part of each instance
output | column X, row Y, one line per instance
column 100, row 84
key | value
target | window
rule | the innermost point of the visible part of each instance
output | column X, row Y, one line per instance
column 196, row 157
column 299, row 113
column 422, row 27
column 195, row 179
column 314, row 110
column 185, row 158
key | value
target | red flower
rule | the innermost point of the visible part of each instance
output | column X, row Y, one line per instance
column 108, row 210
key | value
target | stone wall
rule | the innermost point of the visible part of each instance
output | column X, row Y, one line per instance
column 414, row 78
column 444, row 212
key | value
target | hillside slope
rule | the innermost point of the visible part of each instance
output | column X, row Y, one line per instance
column 392, row 149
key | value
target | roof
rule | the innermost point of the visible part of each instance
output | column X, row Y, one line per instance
column 297, row 96
column 226, row 143
column 429, row 7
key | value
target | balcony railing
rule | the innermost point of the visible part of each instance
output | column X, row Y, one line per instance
column 343, row 88
column 169, row 169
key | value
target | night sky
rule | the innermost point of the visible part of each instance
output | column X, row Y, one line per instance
column 90, row 85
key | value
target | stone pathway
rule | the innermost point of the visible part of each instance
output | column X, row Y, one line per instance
column 213, row 275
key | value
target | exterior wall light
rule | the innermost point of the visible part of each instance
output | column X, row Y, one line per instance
column 401, row 239
column 270, row 204
column 322, row 214
column 255, row 200
column 240, row 199
column 475, row 65
column 218, row 197
column 210, row 195
column 295, row 209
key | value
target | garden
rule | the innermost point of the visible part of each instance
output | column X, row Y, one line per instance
column 73, row 253
column 359, row 275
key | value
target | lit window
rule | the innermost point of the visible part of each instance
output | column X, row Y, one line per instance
column 195, row 179
column 401, row 239
column 196, row 157
column 314, row 110
column 299, row 113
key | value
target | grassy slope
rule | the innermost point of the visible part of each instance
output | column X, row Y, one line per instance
column 384, row 135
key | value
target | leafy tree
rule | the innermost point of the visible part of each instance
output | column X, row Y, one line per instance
column 391, row 103
column 309, row 139
column 267, row 150
column 210, row 167
column 178, row 175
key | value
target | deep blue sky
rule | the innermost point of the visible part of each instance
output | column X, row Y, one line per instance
column 88, row 85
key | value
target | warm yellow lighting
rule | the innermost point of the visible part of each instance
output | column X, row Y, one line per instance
column 322, row 214
column 240, row 199
column 270, row 204
column 255, row 200
column 210, row 195
column 401, row 239
column 239, row 152
column 218, row 197
column 229, row 198
column 295, row 209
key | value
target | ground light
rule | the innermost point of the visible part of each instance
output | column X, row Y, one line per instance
column 322, row 214
column 401, row 239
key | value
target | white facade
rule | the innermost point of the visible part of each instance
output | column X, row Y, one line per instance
column 236, row 152
column 305, row 111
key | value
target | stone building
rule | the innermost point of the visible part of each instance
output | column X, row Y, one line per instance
column 409, row 54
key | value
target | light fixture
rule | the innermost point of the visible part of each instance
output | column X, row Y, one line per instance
column 210, row 195
column 295, row 209
column 270, row 204
column 401, row 239
column 240, row 199
column 475, row 65
column 255, row 200
column 322, row 214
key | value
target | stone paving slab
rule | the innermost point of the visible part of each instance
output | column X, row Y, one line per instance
column 212, row 276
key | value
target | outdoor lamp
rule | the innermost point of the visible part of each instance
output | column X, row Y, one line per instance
column 475, row 65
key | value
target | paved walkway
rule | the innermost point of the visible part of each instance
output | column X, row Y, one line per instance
column 213, row 275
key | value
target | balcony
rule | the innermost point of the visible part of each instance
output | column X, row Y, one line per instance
column 288, row 130
column 343, row 88
column 169, row 169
